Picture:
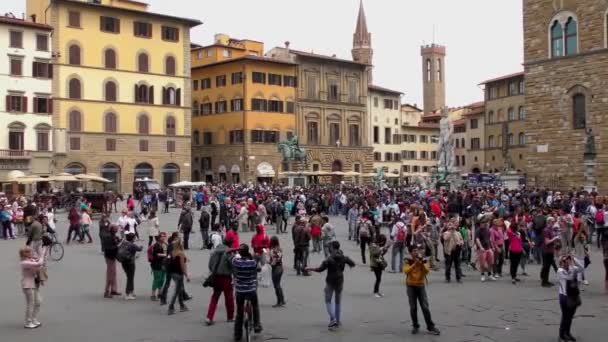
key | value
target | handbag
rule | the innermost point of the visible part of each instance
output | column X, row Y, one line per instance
column 573, row 294
column 208, row 282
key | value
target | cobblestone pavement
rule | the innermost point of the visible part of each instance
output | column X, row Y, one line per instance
column 74, row 309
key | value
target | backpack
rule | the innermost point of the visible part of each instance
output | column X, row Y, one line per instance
column 401, row 235
column 364, row 229
column 124, row 255
column 150, row 252
column 599, row 216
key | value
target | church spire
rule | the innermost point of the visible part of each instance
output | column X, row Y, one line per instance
column 362, row 42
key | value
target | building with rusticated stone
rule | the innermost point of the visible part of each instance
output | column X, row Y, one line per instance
column 566, row 72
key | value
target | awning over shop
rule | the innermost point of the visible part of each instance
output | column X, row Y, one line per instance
column 265, row 170
column 221, row 169
column 235, row 169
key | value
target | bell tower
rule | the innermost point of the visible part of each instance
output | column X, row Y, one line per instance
column 433, row 77
column 362, row 43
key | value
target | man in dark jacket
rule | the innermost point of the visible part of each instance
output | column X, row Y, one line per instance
column 301, row 241
column 185, row 222
column 334, row 281
column 204, row 221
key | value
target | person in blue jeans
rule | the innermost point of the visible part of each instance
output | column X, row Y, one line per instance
column 334, row 282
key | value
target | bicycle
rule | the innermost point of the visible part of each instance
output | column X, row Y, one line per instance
column 55, row 250
column 248, row 320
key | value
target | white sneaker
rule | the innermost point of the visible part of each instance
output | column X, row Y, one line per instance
column 36, row 323
column 586, row 282
column 30, row 325
column 492, row 278
column 483, row 278
column 377, row 295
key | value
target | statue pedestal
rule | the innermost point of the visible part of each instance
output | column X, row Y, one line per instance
column 510, row 180
column 590, row 181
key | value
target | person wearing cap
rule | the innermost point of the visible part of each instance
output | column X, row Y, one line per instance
column 416, row 268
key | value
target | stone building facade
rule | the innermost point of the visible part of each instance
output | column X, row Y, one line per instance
column 419, row 144
column 433, row 77
column 384, row 107
column 474, row 136
column 566, row 71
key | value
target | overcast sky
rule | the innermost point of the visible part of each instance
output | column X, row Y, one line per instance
column 483, row 37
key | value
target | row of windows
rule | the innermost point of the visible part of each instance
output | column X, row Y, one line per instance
column 415, row 168
column 238, row 137
column 39, row 69
column 397, row 139
column 16, row 137
column 312, row 90
column 110, row 60
column 142, row 93
column 388, row 103
column 16, row 41
column 238, row 78
column 110, row 123
column 512, row 115
column 493, row 143
column 514, row 88
column 354, row 134
column 17, row 103
column 112, row 25
column 237, row 105
column 143, row 145
column 460, row 161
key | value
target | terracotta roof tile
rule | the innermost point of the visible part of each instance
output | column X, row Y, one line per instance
column 384, row 90
column 25, row 23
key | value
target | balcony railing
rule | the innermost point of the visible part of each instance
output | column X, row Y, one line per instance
column 15, row 154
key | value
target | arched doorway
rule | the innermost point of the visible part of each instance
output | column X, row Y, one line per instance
column 476, row 170
column 73, row 169
column 336, row 166
column 111, row 171
column 143, row 170
column 170, row 173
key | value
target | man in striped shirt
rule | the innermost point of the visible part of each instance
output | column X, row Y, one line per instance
column 245, row 270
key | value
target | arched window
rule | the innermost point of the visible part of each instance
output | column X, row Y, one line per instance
column 143, row 170
column 143, row 62
column 110, row 91
column 491, row 142
column 143, row 124
column 522, row 113
column 511, row 112
column 557, row 39
column 195, row 108
column 74, row 54
column 170, row 173
column 74, row 169
column 579, row 110
column 144, row 94
column 510, row 139
column 110, row 59
column 111, row 172
column 522, row 139
column 170, row 126
column 196, row 137
column 74, row 89
column 171, row 96
column 439, row 69
column 571, row 37
column 75, row 121
column 429, row 74
column 110, row 123
column 170, row 65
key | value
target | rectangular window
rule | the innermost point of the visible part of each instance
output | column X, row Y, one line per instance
column 42, row 141
column 395, row 104
column 405, row 168
column 521, row 87
column 170, row 34
column 377, row 156
column 236, row 105
column 16, row 67
column 313, row 133
column 220, row 81
column 424, row 139
column 396, row 139
column 354, row 136
column 290, row 81
column 274, row 79
column 412, row 138
column 334, row 133
column 387, row 135
column 388, row 104
column 206, row 108
column 333, row 94
column 16, row 39
column 142, row 30
column 257, row 136
column 237, row 77
column 475, row 144
column 474, row 123
column 376, row 135
column 424, row 155
column 74, row 19
column 195, row 84
column 109, row 24
column 75, row 143
column 353, row 91
column 110, row 144
column 42, row 105
column 208, row 138
column 42, row 42
column 290, row 107
column 375, row 102
column 271, row 137
column 258, row 77
column 143, row 145
column 388, row 156
column 512, row 88
column 236, row 137
column 311, row 87
column 206, row 83
column 220, row 107
column 227, row 53
column 16, row 103
column 275, row 106
column 434, row 155
column 259, row 105
column 171, row 146
column 397, row 157
column 15, row 141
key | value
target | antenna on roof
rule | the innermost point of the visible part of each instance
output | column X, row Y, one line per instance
column 433, row 33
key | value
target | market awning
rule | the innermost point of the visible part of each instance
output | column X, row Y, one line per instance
column 265, row 170
column 235, row 169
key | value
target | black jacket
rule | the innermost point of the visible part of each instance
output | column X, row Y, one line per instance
column 335, row 264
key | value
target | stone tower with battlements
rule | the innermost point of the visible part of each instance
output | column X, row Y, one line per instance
column 362, row 43
column 433, row 77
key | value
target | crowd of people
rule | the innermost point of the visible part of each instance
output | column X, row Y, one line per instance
column 481, row 229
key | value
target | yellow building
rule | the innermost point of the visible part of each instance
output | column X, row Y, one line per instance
column 121, row 89
column 243, row 105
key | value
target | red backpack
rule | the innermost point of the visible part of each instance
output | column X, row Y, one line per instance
column 401, row 234
column 599, row 216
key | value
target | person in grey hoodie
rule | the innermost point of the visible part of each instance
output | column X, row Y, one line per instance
column 221, row 267
column 328, row 235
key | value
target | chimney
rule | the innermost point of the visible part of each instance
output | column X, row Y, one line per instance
column 287, row 44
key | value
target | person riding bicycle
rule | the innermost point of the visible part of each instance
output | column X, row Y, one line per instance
column 245, row 270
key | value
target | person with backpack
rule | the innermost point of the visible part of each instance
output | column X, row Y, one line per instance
column 377, row 263
column 157, row 253
column 184, row 225
column 365, row 234
column 220, row 269
column 328, row 234
column 109, row 244
column 126, row 256
column 204, row 221
column 600, row 224
column 399, row 236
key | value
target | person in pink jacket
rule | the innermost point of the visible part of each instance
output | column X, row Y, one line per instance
column 30, row 283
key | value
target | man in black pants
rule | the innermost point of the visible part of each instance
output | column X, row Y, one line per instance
column 548, row 252
column 416, row 268
column 185, row 222
column 301, row 241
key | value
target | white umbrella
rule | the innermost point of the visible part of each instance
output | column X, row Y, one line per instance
column 30, row 179
column 92, row 177
column 63, row 177
column 182, row 184
column 352, row 174
column 338, row 173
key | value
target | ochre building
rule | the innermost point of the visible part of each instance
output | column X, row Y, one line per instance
column 121, row 89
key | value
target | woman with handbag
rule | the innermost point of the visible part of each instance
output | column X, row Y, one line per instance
column 32, row 272
column 220, row 280
column 569, row 294
column 377, row 262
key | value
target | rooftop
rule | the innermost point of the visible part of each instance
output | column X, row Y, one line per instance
column 325, row 57
column 245, row 58
column 502, row 78
column 384, row 90
column 24, row 23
